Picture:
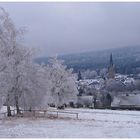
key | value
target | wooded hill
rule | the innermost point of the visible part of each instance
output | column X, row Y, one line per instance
column 126, row 60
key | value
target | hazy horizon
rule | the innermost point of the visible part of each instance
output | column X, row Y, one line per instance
column 75, row 27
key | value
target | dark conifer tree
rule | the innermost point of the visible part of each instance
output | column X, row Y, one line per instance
column 79, row 76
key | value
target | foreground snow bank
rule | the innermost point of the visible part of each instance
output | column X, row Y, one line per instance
column 91, row 124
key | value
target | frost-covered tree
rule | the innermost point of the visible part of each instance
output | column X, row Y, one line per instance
column 89, row 74
column 137, row 84
column 64, row 89
column 103, row 73
column 8, row 38
column 114, row 86
column 36, row 88
column 130, row 86
column 14, row 56
column 22, row 83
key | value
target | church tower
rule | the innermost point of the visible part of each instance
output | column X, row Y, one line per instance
column 111, row 70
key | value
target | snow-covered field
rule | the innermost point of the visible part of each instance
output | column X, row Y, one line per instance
column 91, row 124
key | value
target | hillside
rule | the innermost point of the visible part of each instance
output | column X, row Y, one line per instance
column 126, row 59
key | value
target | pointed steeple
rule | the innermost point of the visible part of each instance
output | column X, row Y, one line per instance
column 111, row 60
column 111, row 71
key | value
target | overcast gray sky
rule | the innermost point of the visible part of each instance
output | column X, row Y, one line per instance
column 63, row 28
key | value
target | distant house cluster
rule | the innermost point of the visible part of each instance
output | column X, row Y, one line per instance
column 112, row 90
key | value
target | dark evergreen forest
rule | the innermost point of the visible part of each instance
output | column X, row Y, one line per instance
column 126, row 60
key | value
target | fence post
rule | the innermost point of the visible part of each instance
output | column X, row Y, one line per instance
column 14, row 112
column 4, row 115
column 34, row 113
column 77, row 115
column 44, row 113
column 57, row 114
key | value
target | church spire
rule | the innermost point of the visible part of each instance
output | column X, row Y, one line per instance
column 111, row 71
column 111, row 60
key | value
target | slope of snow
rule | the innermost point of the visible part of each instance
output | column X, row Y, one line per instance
column 91, row 124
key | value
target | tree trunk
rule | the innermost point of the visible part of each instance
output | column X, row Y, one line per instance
column 8, row 111
column 30, row 109
column 60, row 106
column 8, row 107
column 17, row 104
column 95, row 104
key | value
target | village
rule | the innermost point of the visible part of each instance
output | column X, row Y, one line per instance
column 113, row 90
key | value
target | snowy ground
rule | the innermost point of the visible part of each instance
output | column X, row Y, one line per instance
column 91, row 124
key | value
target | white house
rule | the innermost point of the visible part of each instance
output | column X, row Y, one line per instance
column 126, row 101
